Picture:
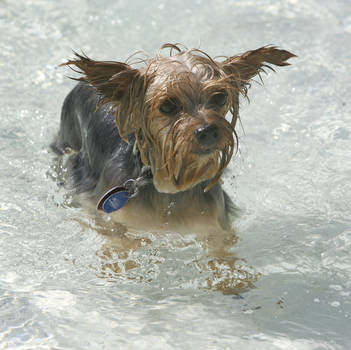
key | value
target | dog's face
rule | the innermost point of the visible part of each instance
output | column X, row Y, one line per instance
column 184, row 135
column 177, row 105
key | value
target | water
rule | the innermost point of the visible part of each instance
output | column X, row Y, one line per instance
column 62, row 285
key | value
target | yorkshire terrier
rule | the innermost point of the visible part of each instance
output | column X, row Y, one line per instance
column 150, row 144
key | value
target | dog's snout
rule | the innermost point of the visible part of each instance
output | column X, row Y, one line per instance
column 207, row 135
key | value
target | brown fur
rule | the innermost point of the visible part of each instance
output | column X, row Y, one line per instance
column 190, row 79
column 203, row 92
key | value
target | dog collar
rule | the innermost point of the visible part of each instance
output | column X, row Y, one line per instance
column 118, row 196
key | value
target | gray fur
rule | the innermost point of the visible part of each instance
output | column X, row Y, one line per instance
column 102, row 160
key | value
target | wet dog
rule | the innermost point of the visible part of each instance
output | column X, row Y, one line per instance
column 151, row 143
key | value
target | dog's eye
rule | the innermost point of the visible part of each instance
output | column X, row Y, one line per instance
column 218, row 100
column 169, row 107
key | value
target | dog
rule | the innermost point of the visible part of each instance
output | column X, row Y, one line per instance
column 148, row 145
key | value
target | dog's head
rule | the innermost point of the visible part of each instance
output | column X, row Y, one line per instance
column 176, row 105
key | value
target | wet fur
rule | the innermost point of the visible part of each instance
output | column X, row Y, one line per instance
column 116, row 105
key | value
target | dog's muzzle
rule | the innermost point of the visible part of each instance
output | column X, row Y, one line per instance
column 208, row 135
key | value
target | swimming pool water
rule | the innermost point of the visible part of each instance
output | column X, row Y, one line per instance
column 62, row 284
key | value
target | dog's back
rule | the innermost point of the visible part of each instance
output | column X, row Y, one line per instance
column 100, row 154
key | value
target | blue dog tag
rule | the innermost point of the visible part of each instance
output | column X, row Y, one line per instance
column 113, row 200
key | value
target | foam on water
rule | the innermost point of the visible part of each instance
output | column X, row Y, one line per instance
column 62, row 284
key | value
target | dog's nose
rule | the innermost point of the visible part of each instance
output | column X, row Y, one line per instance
column 207, row 135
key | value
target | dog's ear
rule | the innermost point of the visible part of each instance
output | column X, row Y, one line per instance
column 111, row 79
column 116, row 82
column 244, row 67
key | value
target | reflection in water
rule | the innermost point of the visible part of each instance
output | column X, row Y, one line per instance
column 187, row 262
column 130, row 256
